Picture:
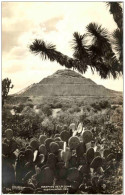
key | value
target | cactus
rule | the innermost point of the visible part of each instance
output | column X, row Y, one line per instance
column 28, row 176
column 21, row 153
column 106, row 153
column 31, row 185
column 6, row 141
column 97, row 154
column 12, row 159
column 84, row 169
column 9, row 134
column 54, row 147
column 42, row 139
column 47, row 143
column 81, row 149
column 72, row 126
column 13, row 145
column 29, row 166
column 42, row 149
column 34, row 144
column 57, row 135
column 90, row 155
column 47, row 176
column 110, row 157
column 65, row 135
column 82, row 187
column 29, row 155
column 41, row 159
column 65, row 127
column 95, row 181
column 72, row 175
column 59, row 128
column 60, row 143
column 73, row 142
column 52, row 160
column 97, row 162
column 59, row 158
column 87, row 136
column 62, row 173
column 5, row 149
column 73, row 161
column 59, row 165
column 57, row 139
column 23, row 149
column 66, row 154
column 22, row 158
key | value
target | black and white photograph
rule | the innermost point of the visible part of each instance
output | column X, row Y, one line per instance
column 62, row 97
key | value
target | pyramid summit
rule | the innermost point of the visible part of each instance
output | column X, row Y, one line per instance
column 66, row 83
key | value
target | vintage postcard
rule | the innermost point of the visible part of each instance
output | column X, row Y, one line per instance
column 62, row 97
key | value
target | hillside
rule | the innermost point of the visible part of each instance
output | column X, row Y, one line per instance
column 66, row 83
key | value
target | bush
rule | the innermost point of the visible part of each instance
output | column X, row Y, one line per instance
column 19, row 108
column 101, row 105
column 47, row 110
column 104, row 104
column 47, row 125
column 30, row 105
column 56, row 105
column 74, row 109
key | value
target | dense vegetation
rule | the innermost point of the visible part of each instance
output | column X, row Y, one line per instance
column 89, row 164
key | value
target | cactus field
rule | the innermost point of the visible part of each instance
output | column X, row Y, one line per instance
column 77, row 151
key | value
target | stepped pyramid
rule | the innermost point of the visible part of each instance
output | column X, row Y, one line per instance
column 66, row 83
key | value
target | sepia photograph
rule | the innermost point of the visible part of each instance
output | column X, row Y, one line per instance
column 62, row 97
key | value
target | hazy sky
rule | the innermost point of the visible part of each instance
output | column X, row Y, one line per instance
column 54, row 22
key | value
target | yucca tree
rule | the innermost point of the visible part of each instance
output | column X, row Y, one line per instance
column 48, row 51
column 6, row 86
column 116, row 10
column 105, row 49
column 102, row 54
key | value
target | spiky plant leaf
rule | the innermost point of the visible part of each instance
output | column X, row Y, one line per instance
column 116, row 10
column 48, row 51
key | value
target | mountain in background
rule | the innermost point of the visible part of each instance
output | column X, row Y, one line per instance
column 66, row 83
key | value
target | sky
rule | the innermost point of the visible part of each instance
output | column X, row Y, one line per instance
column 54, row 22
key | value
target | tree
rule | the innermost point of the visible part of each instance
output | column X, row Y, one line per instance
column 6, row 86
column 103, row 54
column 116, row 11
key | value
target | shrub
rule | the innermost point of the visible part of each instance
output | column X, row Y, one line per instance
column 101, row 105
column 47, row 110
column 104, row 104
